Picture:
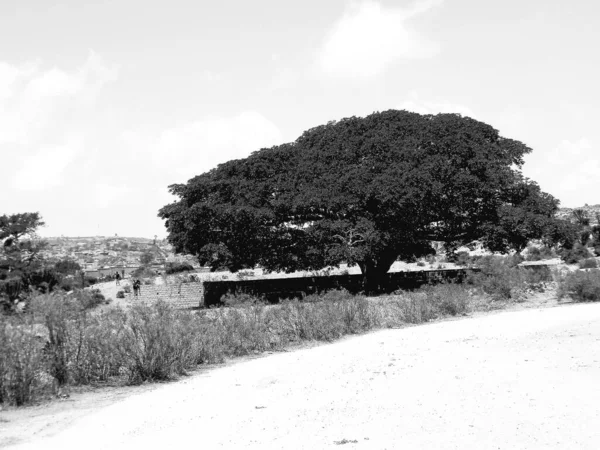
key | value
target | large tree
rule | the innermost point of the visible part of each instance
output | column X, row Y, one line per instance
column 362, row 190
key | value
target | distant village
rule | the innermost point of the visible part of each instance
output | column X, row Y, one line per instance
column 101, row 256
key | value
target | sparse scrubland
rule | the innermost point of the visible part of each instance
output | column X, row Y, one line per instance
column 63, row 341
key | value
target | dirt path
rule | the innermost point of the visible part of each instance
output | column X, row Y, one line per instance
column 512, row 380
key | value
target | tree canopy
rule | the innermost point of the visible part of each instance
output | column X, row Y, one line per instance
column 362, row 190
column 21, row 265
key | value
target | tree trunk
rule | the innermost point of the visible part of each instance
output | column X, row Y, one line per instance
column 375, row 274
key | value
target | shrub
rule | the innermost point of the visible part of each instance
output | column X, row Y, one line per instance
column 589, row 263
column 575, row 254
column 173, row 267
column 501, row 278
column 121, row 294
column 89, row 280
column 143, row 272
column 240, row 299
column 21, row 362
column 92, row 298
column 462, row 259
column 581, row 286
column 535, row 253
column 156, row 344
column 428, row 303
column 59, row 314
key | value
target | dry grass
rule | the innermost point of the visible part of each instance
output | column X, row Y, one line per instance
column 154, row 342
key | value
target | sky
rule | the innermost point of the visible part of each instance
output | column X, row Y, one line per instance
column 105, row 103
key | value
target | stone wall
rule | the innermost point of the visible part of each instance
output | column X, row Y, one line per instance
column 274, row 289
column 180, row 295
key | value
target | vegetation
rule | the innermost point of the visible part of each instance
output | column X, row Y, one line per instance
column 67, row 267
column 575, row 254
column 581, row 286
column 63, row 340
column 367, row 191
column 21, row 266
column 173, row 267
column 536, row 253
column 589, row 263
column 146, row 258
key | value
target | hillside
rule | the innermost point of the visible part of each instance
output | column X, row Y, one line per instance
column 592, row 210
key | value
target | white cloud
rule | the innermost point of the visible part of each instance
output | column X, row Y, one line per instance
column 415, row 104
column 41, row 116
column 33, row 98
column 44, row 169
column 369, row 37
column 193, row 148
column 569, row 171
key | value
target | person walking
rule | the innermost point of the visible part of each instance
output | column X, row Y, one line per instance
column 136, row 288
column 118, row 278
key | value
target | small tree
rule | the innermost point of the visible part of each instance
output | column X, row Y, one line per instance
column 21, row 263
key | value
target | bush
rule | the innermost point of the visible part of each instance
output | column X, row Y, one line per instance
column 121, row 294
column 143, row 272
column 589, row 263
column 90, row 281
column 581, row 286
column 575, row 254
column 157, row 343
column 240, row 299
column 535, row 253
column 172, row 267
column 462, row 259
column 153, row 342
column 429, row 303
column 502, row 278
column 59, row 314
column 21, row 362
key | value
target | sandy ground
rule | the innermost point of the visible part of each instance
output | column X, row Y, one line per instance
column 511, row 380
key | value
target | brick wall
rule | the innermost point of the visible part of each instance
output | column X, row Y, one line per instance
column 180, row 295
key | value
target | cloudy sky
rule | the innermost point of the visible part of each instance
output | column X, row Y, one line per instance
column 104, row 103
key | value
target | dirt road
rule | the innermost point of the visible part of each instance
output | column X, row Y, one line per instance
column 512, row 380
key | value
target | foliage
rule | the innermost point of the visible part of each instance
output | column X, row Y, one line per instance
column 561, row 234
column 61, row 340
column 575, row 254
column 21, row 266
column 143, row 272
column 240, row 300
column 589, row 263
column 121, row 294
column 461, row 258
column 502, row 278
column 362, row 190
column 21, row 356
column 146, row 258
column 535, row 253
column 67, row 267
column 581, row 286
column 174, row 267
column 430, row 303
